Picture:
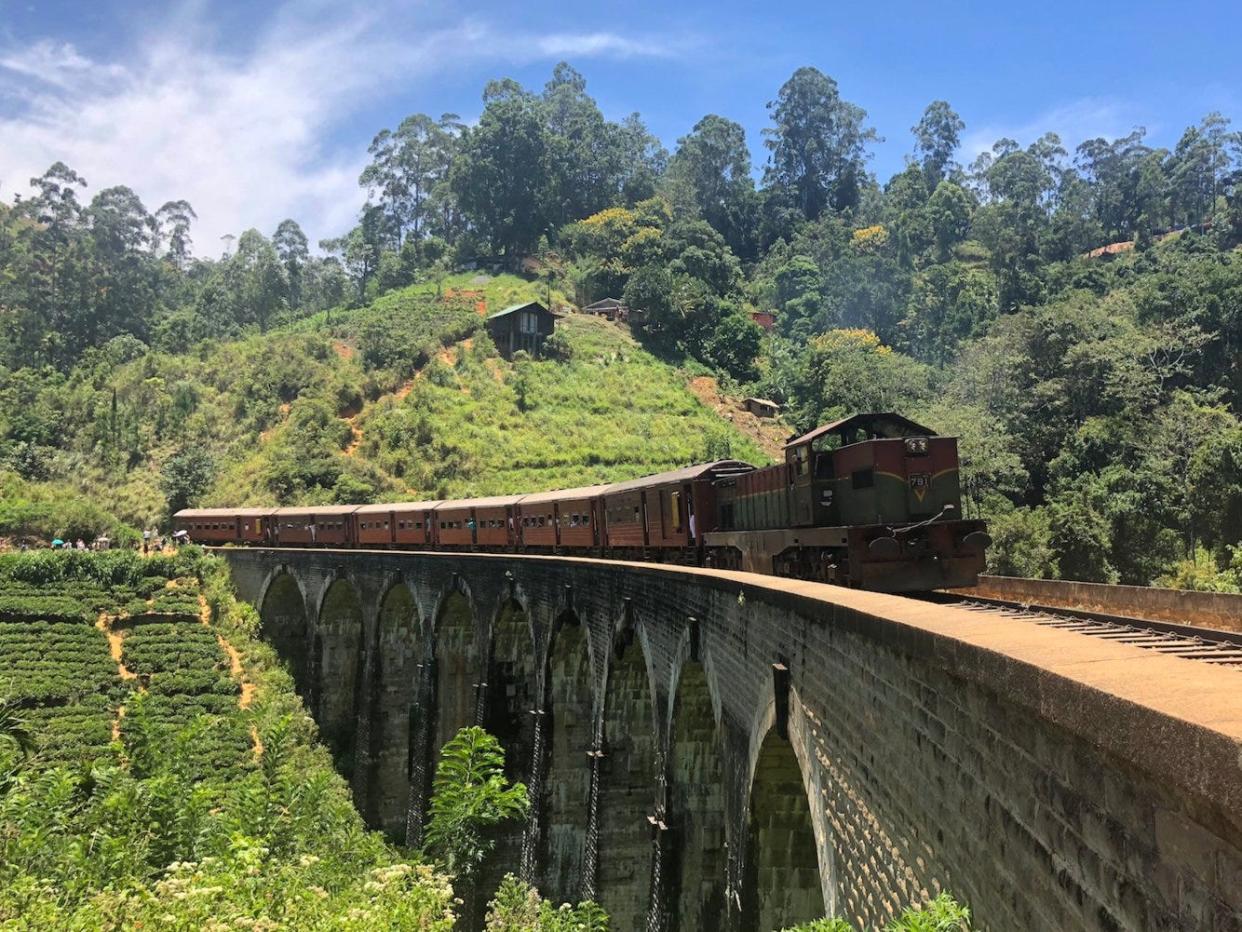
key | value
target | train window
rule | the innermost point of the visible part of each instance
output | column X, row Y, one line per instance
column 863, row 478
column 823, row 466
column 418, row 525
column 443, row 525
column 586, row 520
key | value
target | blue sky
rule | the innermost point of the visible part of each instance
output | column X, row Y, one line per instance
column 255, row 116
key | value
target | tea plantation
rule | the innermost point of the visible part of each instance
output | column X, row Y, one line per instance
column 157, row 770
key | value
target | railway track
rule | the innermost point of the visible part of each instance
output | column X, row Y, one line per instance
column 1209, row 645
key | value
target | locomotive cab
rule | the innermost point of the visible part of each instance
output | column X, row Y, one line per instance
column 872, row 469
column 872, row 500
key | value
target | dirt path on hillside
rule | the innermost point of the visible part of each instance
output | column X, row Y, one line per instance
column 116, row 645
column 116, row 648
column 768, row 433
column 447, row 355
column 236, row 668
column 355, row 438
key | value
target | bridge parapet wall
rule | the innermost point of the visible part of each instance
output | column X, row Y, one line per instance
column 1181, row 606
column 1050, row 780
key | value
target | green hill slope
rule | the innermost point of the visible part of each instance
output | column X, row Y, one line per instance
column 403, row 398
column 603, row 410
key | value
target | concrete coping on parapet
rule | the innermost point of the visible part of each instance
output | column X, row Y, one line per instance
column 1177, row 721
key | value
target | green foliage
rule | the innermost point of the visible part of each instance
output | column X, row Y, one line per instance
column 942, row 914
column 1203, row 572
column 517, row 907
column 180, row 823
column 484, row 426
column 185, row 476
column 841, row 372
column 822, row 925
column 45, row 511
column 470, row 795
column 1021, row 543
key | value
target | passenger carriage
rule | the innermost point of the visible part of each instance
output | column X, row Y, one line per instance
column 567, row 518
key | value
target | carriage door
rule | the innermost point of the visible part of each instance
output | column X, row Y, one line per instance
column 802, row 485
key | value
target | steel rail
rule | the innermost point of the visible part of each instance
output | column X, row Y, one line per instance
column 1192, row 642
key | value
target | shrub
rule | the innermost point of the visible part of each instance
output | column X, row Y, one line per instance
column 518, row 907
column 469, row 795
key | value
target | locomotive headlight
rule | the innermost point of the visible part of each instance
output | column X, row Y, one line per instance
column 916, row 446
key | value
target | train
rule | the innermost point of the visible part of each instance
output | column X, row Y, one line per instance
column 871, row 501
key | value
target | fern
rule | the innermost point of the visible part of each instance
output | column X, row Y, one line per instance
column 943, row 914
column 470, row 794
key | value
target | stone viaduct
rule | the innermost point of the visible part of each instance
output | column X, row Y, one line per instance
column 712, row 750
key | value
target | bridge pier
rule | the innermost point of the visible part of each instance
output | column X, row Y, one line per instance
column 710, row 750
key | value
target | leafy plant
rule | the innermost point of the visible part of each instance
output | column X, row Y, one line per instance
column 942, row 914
column 470, row 795
column 518, row 907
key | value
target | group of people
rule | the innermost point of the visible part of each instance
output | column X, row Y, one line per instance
column 152, row 542
column 59, row 544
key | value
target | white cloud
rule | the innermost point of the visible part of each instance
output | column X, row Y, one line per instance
column 240, row 136
column 604, row 43
column 57, row 64
column 1074, row 122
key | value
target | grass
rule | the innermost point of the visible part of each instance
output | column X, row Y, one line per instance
column 482, row 426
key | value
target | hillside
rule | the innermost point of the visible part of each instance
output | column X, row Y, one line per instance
column 404, row 397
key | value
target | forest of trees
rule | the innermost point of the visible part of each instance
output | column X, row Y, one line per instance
column 1097, row 398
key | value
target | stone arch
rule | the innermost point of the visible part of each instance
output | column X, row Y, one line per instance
column 782, row 885
column 571, row 738
column 340, row 657
column 456, row 670
column 395, row 705
column 510, row 715
column 512, row 681
column 283, row 623
column 696, row 806
column 627, row 784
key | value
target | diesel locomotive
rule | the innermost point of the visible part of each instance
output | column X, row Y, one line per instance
column 871, row 501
